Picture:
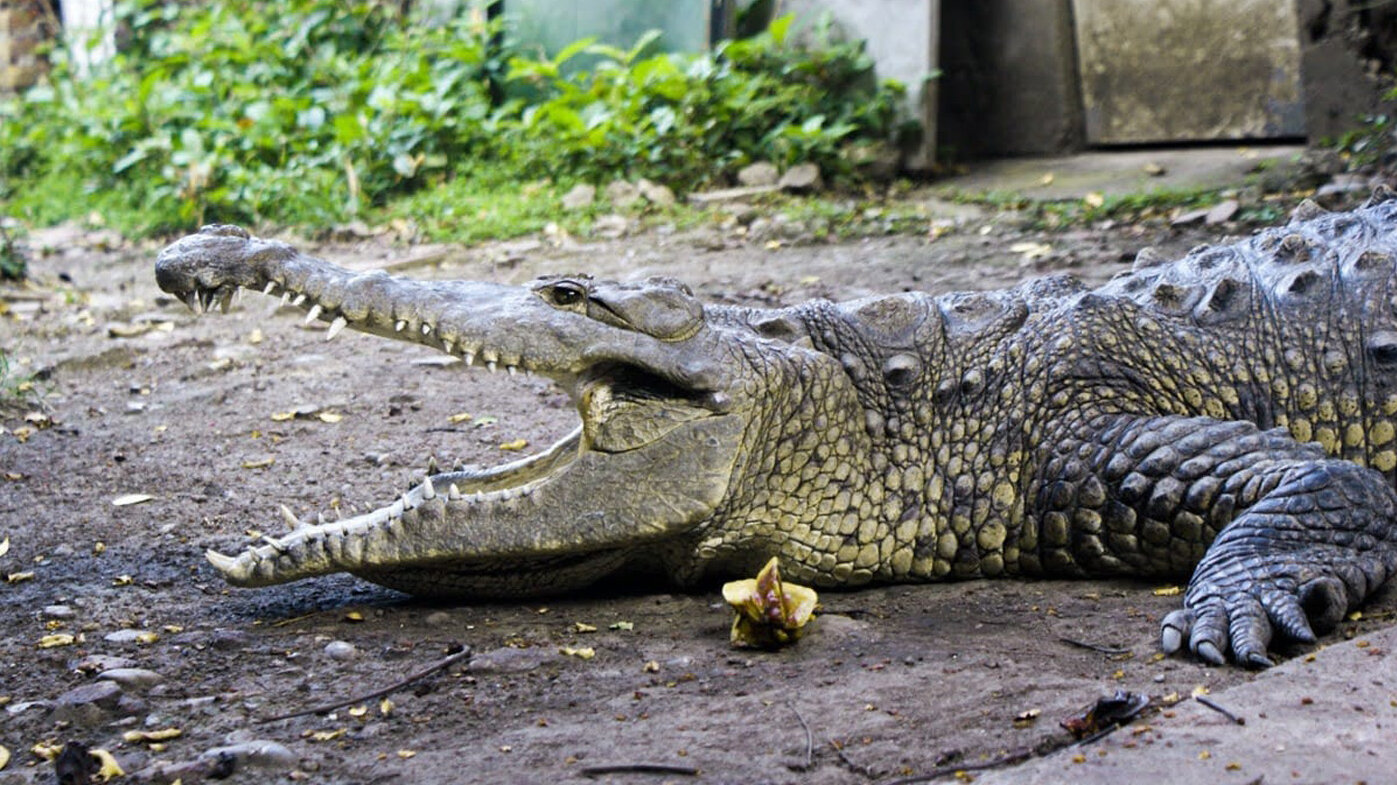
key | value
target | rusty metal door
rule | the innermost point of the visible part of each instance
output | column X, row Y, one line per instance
column 1188, row 70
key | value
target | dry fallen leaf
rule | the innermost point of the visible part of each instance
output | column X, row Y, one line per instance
column 1168, row 591
column 4, row 757
column 110, row 768
column 54, row 641
column 4, row 546
column 385, row 707
column 583, row 627
column 517, row 444
column 260, row 463
column 456, row 419
column 405, row 754
column 624, row 626
column 354, row 616
column 148, row 736
column 1094, row 199
column 148, row 637
column 583, row 653
column 283, row 416
column 16, row 577
column 1046, row 179
column 327, row 735
column 1031, row 251
column 46, row 751
column 129, row 499
column 358, row 711
column 329, row 417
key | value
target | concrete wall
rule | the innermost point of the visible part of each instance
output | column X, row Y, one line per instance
column 1009, row 82
column 902, row 37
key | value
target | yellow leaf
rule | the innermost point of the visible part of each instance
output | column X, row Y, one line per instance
column 131, row 498
column 405, row 754
column 59, row 639
column 1046, row 179
column 4, row 757
column 1201, row 689
column 329, row 417
column 1094, row 199
column 283, row 416
column 1168, row 591
column 148, row 736
column 254, row 337
column 110, row 768
column 16, row 577
column 45, row 751
column 583, row 627
column 584, row 653
column 148, row 637
column 385, row 707
column 458, row 418
column 173, row 629
column 354, row 616
column 4, row 546
column 328, row 735
column 99, row 548
column 260, row 463
column 358, row 711
column 517, row 444
column 624, row 626
column 123, row 580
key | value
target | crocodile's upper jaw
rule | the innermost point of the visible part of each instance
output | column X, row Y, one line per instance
column 659, row 436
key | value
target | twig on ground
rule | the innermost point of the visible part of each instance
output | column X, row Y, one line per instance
column 1007, row 759
column 638, row 768
column 1094, row 647
column 850, row 764
column 442, row 664
column 1220, row 710
column 809, row 742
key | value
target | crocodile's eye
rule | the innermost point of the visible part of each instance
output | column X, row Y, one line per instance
column 565, row 294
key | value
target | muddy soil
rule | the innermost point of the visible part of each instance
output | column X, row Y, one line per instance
column 141, row 397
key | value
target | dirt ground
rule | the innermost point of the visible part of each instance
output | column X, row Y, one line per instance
column 141, row 397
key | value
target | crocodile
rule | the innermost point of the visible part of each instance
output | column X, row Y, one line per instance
column 1225, row 418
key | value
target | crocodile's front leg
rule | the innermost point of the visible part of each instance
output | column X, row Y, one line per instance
column 1293, row 539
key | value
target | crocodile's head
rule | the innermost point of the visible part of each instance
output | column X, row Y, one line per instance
column 669, row 398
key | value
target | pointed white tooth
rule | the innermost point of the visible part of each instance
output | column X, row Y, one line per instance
column 300, row 298
column 269, row 287
column 313, row 313
column 221, row 562
column 512, row 370
column 448, row 347
column 320, row 518
column 491, row 365
column 429, row 491
column 529, row 372
column 432, row 466
column 453, row 492
column 469, row 357
column 192, row 300
column 399, row 325
column 285, row 298
column 225, row 302
column 426, row 329
column 407, row 503
column 291, row 519
column 338, row 324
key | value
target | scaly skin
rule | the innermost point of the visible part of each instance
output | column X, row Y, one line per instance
column 1211, row 416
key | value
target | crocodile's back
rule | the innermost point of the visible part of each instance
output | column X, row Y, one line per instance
column 1294, row 328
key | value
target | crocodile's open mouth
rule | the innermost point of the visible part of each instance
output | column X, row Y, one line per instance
column 653, row 456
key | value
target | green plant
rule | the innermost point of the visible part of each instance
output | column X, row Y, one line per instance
column 312, row 112
column 13, row 258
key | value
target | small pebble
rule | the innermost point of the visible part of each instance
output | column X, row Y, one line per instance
column 59, row 612
column 340, row 650
column 123, row 636
column 262, row 753
column 438, row 619
column 134, row 678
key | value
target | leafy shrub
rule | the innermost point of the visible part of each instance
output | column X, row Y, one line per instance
column 313, row 111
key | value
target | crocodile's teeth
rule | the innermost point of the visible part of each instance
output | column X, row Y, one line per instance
column 432, row 466
column 285, row 298
column 225, row 302
column 399, row 325
column 407, row 503
column 338, row 324
column 269, row 287
column 192, row 300
column 469, row 357
column 206, row 300
column 426, row 329
column 428, row 490
column 448, row 347
column 290, row 518
column 491, row 365
column 220, row 562
column 511, row 369
column 453, row 492
column 313, row 313
column 300, row 298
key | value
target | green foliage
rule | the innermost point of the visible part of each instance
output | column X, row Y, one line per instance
column 313, row 112
column 689, row 120
column 13, row 259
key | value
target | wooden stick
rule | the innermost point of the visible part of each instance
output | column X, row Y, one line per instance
column 447, row 662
